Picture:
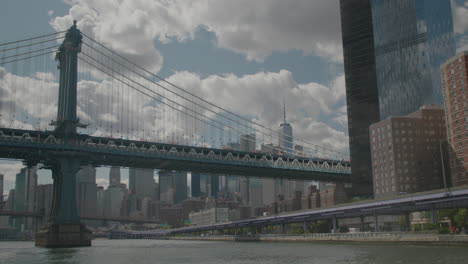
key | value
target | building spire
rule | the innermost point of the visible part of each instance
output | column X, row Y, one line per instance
column 284, row 110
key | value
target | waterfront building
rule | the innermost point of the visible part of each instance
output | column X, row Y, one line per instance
column 406, row 152
column 454, row 88
column 332, row 195
column 209, row 216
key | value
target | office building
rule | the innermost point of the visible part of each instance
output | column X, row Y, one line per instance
column 285, row 135
column 1, row 189
column 412, row 38
column 248, row 143
column 361, row 86
column 100, row 201
column 392, row 51
column 406, row 152
column 209, row 216
column 43, row 201
column 141, row 182
column 195, row 185
column 172, row 186
column 454, row 87
column 25, row 188
column 86, row 191
column 256, row 193
column 114, row 176
column 113, row 198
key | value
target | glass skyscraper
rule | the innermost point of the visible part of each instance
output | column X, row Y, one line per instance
column 392, row 53
column 361, row 86
column 412, row 39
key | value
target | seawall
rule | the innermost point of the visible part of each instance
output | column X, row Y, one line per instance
column 404, row 238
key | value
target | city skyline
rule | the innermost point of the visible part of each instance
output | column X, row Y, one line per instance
column 295, row 64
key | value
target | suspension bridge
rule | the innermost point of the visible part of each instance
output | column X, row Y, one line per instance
column 67, row 101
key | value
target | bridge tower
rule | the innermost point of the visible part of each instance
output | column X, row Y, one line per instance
column 64, row 228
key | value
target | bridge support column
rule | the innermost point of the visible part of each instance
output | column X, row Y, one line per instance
column 433, row 216
column 64, row 228
column 334, row 225
column 407, row 222
column 376, row 222
column 304, row 227
column 363, row 223
column 283, row 228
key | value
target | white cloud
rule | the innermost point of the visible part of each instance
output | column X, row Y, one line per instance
column 460, row 14
column 309, row 106
column 253, row 28
column 460, row 24
column 9, row 169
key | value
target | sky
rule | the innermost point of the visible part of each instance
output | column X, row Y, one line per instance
column 263, row 50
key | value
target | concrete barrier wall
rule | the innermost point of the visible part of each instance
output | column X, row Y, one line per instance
column 357, row 237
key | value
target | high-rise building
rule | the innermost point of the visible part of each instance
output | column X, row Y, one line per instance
column 86, row 191
column 244, row 190
column 407, row 153
column 114, row 176
column 43, row 200
column 361, row 85
column 214, row 185
column 172, row 186
column 269, row 191
column 285, row 135
column 25, row 188
column 454, row 87
column 195, row 185
column 141, row 182
column 248, row 143
column 392, row 52
column 113, row 198
column 256, row 193
column 1, row 188
column 100, row 201
column 412, row 38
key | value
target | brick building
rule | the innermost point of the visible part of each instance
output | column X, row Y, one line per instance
column 406, row 152
column 454, row 85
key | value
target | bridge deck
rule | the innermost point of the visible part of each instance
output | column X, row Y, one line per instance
column 44, row 147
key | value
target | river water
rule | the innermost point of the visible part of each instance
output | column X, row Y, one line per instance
column 185, row 252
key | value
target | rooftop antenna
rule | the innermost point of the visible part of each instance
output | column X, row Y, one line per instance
column 284, row 110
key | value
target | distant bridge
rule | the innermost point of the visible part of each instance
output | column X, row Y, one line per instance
column 99, row 218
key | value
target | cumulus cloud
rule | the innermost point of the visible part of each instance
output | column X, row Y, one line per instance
column 460, row 14
column 252, row 28
column 311, row 107
column 27, row 101
column 460, row 23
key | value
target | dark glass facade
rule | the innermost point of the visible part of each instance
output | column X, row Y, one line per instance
column 412, row 39
column 361, row 86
